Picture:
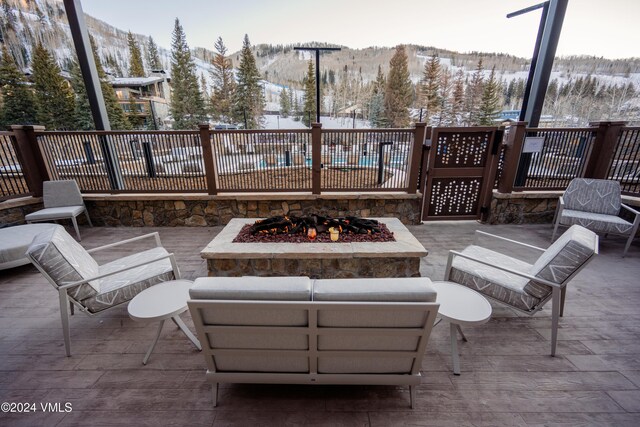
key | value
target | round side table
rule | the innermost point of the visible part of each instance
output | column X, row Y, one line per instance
column 460, row 306
column 160, row 302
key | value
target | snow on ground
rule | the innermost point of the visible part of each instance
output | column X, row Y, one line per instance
column 277, row 122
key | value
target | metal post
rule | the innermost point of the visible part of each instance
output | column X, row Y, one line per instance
column 80, row 36
column 88, row 151
column 381, row 161
column 548, row 45
column 317, row 50
column 148, row 158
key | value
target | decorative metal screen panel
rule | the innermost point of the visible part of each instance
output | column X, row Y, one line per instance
column 462, row 149
column 454, row 196
column 461, row 172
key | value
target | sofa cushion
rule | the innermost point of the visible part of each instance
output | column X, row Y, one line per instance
column 593, row 195
column 55, row 213
column 498, row 284
column 411, row 289
column 562, row 258
column 65, row 261
column 14, row 242
column 123, row 286
column 252, row 288
column 600, row 223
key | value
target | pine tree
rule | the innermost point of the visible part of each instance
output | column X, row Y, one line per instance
column 445, row 116
column 309, row 96
column 83, row 118
column 153, row 58
column 117, row 118
column 55, row 105
column 136, row 67
column 457, row 98
column 187, row 105
column 249, row 98
column 224, row 84
column 430, row 87
column 399, row 91
column 473, row 94
column 490, row 102
column 18, row 102
column 285, row 105
column 376, row 106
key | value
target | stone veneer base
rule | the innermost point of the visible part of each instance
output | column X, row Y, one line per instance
column 316, row 260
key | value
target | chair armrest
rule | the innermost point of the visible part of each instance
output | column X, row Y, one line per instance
column 453, row 254
column 478, row 232
column 81, row 282
column 134, row 239
column 630, row 209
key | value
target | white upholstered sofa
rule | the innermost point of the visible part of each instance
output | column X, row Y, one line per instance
column 293, row 330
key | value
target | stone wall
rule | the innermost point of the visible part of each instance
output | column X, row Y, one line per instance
column 316, row 268
column 129, row 210
column 12, row 212
column 523, row 208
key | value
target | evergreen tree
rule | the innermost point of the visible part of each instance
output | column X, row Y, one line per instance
column 187, row 105
column 55, row 106
column 285, row 104
column 136, row 67
column 430, row 87
column 18, row 102
column 473, row 94
column 249, row 98
column 376, row 106
column 457, row 98
column 445, row 115
column 490, row 102
column 117, row 118
column 224, row 84
column 83, row 118
column 309, row 96
column 153, row 58
column 399, row 91
column 135, row 120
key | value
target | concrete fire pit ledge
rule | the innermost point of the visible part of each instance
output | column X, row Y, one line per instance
column 316, row 260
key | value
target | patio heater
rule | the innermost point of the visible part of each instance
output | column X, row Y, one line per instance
column 551, row 20
column 317, row 51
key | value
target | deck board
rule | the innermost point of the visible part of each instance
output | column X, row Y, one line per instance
column 508, row 377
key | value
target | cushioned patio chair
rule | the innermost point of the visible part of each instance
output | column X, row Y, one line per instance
column 595, row 204
column 518, row 284
column 62, row 200
column 93, row 288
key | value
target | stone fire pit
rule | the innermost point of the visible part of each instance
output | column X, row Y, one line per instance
column 316, row 260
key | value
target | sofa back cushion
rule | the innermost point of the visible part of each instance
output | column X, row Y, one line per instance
column 575, row 247
column 65, row 261
column 600, row 196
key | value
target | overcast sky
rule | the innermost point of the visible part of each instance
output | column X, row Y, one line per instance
column 606, row 28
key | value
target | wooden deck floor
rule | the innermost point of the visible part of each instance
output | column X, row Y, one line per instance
column 508, row 377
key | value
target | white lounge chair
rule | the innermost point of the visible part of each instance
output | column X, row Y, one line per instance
column 93, row 288
column 518, row 284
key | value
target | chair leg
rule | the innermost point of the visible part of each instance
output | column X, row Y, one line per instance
column 563, row 296
column 64, row 316
column 626, row 248
column 555, row 229
column 412, row 396
column 75, row 225
column 555, row 314
column 86, row 213
column 214, row 394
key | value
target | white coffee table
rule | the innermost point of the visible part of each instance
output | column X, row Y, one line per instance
column 160, row 302
column 460, row 306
